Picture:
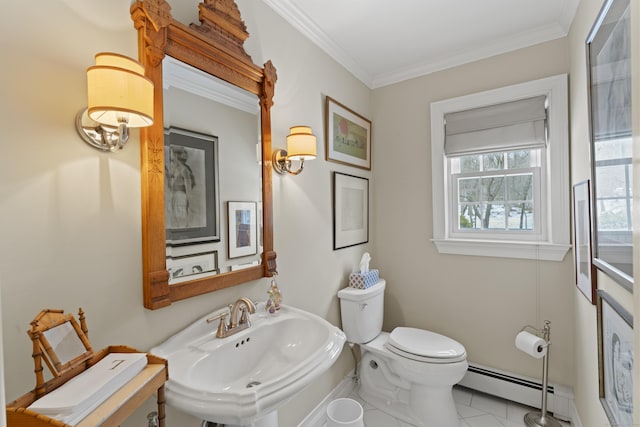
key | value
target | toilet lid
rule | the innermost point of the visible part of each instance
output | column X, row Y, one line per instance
column 419, row 344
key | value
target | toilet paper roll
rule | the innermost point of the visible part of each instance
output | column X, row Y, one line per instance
column 531, row 344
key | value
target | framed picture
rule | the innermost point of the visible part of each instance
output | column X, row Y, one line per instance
column 609, row 76
column 348, row 136
column 237, row 267
column 192, row 207
column 242, row 229
column 350, row 210
column 615, row 361
column 585, row 270
column 192, row 266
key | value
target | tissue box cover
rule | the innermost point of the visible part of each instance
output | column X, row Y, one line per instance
column 364, row 280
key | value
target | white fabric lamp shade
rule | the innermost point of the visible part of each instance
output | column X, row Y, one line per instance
column 301, row 143
column 118, row 92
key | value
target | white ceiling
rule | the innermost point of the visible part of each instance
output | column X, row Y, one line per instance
column 387, row 41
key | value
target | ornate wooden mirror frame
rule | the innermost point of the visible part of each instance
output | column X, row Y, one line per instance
column 215, row 46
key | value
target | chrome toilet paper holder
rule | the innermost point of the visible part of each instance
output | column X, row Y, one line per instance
column 535, row 418
column 543, row 333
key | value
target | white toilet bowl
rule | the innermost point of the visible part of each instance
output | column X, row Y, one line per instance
column 408, row 373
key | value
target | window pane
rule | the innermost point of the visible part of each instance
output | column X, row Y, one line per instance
column 613, row 214
column 613, row 197
column 493, row 161
column 519, row 159
column 613, row 149
column 469, row 190
column 493, row 216
column 520, row 216
column 493, row 188
column 520, row 187
column 469, row 164
column 469, row 216
column 613, row 181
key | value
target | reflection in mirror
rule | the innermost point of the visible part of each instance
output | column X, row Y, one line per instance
column 65, row 342
column 203, row 114
column 191, row 187
column 609, row 68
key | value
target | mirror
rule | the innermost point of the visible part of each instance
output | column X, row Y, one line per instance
column 208, row 256
column 609, row 74
column 65, row 342
column 60, row 341
column 212, row 142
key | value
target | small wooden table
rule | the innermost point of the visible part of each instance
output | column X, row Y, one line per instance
column 114, row 410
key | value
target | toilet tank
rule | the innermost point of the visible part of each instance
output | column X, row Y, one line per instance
column 362, row 312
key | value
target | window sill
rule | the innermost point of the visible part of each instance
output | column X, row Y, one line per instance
column 503, row 249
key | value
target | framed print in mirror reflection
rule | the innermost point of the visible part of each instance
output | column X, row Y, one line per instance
column 609, row 77
column 191, row 187
column 242, row 229
column 192, row 266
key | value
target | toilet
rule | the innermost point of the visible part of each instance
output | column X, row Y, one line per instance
column 408, row 373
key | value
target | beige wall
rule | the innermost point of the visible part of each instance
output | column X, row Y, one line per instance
column 481, row 301
column 71, row 215
column 586, row 342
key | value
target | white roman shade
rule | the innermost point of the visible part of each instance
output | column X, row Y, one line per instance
column 513, row 125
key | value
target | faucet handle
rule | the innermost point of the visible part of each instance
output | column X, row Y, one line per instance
column 220, row 315
column 244, row 316
column 223, row 327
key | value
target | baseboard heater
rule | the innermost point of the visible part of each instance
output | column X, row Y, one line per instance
column 517, row 388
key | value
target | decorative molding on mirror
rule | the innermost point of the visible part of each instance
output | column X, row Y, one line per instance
column 215, row 46
column 221, row 21
column 270, row 78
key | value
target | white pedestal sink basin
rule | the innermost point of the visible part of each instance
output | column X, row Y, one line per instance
column 247, row 376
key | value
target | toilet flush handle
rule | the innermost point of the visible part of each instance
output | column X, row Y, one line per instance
column 363, row 306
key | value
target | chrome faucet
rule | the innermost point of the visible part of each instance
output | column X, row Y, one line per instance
column 244, row 306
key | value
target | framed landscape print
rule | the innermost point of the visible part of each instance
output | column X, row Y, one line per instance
column 350, row 210
column 348, row 136
column 615, row 361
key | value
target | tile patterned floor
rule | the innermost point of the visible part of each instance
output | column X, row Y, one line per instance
column 475, row 410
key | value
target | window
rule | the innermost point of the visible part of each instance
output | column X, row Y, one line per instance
column 500, row 172
column 497, row 194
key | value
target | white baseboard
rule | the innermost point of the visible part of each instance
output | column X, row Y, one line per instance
column 518, row 388
column 317, row 417
column 575, row 417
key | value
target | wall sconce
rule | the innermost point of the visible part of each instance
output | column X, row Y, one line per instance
column 119, row 97
column 301, row 146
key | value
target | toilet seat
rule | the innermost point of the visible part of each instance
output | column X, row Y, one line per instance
column 424, row 346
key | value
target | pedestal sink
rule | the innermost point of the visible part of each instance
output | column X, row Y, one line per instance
column 243, row 379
